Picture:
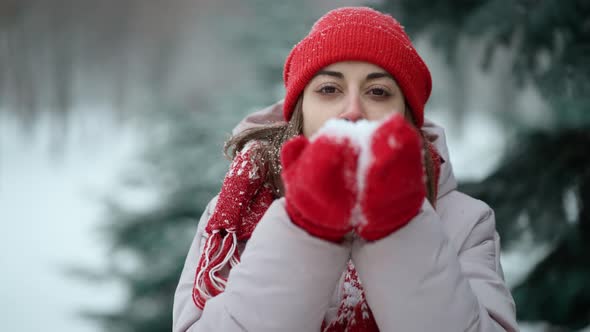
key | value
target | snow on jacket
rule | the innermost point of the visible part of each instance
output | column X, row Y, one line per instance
column 441, row 272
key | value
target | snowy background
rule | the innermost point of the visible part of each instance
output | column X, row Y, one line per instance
column 50, row 210
column 56, row 170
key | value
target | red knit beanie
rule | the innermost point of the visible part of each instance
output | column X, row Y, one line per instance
column 358, row 34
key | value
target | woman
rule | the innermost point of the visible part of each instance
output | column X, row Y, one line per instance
column 349, row 206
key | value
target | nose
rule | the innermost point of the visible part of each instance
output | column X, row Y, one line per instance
column 353, row 110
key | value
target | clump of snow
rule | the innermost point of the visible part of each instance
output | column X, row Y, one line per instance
column 571, row 205
column 360, row 134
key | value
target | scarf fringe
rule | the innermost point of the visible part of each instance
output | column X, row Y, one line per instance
column 219, row 251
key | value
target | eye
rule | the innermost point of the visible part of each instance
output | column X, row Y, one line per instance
column 327, row 90
column 380, row 92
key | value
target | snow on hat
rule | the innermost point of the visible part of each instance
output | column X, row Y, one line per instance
column 358, row 34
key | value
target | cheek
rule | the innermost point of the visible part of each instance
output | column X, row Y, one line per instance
column 399, row 108
column 312, row 121
column 381, row 111
column 314, row 117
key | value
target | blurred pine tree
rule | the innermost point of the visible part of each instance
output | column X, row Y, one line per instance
column 148, row 245
column 541, row 190
column 183, row 161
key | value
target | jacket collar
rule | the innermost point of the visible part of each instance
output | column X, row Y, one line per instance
column 436, row 135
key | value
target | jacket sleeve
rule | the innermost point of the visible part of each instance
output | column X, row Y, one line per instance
column 284, row 282
column 185, row 313
column 415, row 280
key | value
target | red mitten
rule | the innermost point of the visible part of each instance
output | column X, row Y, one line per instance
column 320, row 184
column 394, row 188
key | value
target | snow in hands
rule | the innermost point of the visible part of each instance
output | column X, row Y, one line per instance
column 389, row 175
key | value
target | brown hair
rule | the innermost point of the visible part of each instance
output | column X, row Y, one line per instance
column 274, row 136
column 431, row 181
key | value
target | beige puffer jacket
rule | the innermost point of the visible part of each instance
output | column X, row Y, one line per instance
column 441, row 272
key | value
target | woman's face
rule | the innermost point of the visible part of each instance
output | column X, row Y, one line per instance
column 350, row 90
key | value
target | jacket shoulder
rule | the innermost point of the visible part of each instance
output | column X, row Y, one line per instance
column 465, row 217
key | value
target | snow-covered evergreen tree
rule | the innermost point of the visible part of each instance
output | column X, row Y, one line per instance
column 541, row 189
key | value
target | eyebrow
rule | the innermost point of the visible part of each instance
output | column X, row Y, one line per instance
column 337, row 74
column 329, row 73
